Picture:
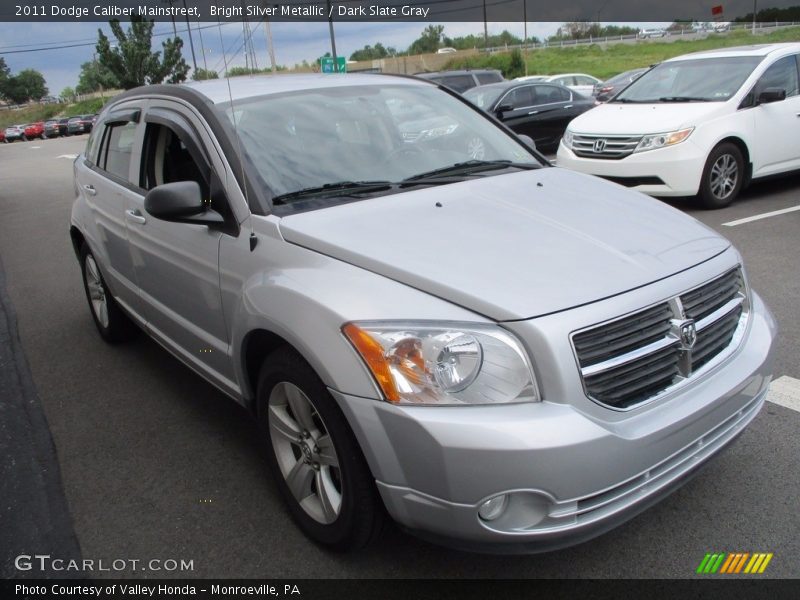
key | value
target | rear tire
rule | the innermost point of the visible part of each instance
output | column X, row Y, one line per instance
column 112, row 323
column 723, row 176
column 314, row 456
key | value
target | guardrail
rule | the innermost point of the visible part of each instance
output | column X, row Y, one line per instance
column 615, row 39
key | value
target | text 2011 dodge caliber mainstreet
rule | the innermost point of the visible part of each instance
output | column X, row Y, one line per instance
column 427, row 319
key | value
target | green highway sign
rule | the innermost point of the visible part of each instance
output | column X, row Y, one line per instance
column 327, row 66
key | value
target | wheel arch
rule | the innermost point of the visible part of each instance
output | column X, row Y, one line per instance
column 745, row 150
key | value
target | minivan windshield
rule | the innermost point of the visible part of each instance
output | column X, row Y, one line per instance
column 698, row 80
column 369, row 138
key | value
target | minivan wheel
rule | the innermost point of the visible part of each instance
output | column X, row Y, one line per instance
column 314, row 456
column 723, row 176
column 113, row 324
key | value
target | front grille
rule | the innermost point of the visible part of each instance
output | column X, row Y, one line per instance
column 614, row 147
column 631, row 359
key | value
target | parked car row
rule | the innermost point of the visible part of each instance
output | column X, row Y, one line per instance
column 50, row 128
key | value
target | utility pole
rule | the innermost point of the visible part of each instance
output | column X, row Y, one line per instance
column 525, row 41
column 270, row 47
column 755, row 8
column 485, row 29
column 333, row 38
column 202, row 48
column 191, row 42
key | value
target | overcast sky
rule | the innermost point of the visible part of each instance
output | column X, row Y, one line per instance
column 293, row 42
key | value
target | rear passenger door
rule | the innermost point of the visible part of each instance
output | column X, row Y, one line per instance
column 105, row 180
column 554, row 110
column 177, row 264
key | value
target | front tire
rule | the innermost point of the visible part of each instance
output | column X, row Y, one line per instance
column 723, row 176
column 113, row 325
column 314, row 456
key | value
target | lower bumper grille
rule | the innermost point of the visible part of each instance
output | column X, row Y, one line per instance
column 632, row 359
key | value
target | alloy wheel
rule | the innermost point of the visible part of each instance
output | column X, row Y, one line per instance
column 724, row 176
column 305, row 453
column 97, row 292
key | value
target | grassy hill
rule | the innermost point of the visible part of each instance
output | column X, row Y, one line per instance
column 604, row 61
column 41, row 112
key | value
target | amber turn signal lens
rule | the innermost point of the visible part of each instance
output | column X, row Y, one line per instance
column 372, row 353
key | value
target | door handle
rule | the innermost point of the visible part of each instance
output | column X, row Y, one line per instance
column 90, row 189
column 568, row 106
column 534, row 112
column 134, row 216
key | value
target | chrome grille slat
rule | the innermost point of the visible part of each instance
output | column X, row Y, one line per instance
column 616, row 146
column 629, row 360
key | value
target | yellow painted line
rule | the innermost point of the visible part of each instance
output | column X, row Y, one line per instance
column 765, row 563
column 751, row 563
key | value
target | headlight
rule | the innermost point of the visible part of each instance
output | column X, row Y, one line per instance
column 662, row 140
column 567, row 138
column 444, row 363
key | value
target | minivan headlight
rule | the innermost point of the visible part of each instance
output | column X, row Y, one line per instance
column 662, row 140
column 567, row 138
column 444, row 363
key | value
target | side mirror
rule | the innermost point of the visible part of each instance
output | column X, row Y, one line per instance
column 503, row 108
column 180, row 202
column 527, row 140
column 772, row 94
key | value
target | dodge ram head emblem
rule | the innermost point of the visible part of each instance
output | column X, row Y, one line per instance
column 599, row 145
column 688, row 334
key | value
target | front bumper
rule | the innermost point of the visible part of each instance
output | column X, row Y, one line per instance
column 569, row 475
column 679, row 167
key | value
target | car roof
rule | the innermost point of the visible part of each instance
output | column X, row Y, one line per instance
column 570, row 75
column 754, row 50
column 247, row 86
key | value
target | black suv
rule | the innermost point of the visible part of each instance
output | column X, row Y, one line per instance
column 461, row 81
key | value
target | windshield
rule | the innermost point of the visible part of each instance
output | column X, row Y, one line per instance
column 303, row 140
column 699, row 80
column 484, row 97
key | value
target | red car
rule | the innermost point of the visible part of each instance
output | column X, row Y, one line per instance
column 35, row 130
column 2, row 135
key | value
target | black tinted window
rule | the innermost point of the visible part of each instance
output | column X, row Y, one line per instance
column 548, row 94
column 458, row 83
column 520, row 97
column 484, row 78
column 781, row 75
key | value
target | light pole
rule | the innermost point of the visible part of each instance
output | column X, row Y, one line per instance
column 755, row 8
column 333, row 38
column 525, row 34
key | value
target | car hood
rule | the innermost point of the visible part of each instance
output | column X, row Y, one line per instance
column 512, row 246
column 631, row 119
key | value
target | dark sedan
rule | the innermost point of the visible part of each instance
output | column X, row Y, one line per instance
column 539, row 110
column 51, row 128
column 62, row 127
column 603, row 92
column 80, row 124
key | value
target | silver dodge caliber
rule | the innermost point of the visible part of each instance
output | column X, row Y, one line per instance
column 429, row 321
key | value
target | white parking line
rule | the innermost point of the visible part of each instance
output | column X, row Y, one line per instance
column 774, row 213
column 786, row 392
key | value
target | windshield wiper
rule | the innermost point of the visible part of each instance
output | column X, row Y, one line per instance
column 468, row 167
column 339, row 188
column 682, row 99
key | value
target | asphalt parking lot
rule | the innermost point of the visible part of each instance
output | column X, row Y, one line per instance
column 156, row 464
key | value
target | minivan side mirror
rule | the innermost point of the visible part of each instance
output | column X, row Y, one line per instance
column 180, row 202
column 772, row 94
column 527, row 140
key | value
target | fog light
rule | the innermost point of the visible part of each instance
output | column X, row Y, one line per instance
column 493, row 508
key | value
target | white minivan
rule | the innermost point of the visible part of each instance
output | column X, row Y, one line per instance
column 701, row 124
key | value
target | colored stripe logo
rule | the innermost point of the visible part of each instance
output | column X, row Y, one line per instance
column 732, row 563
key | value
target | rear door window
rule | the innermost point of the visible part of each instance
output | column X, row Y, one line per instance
column 459, row 83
